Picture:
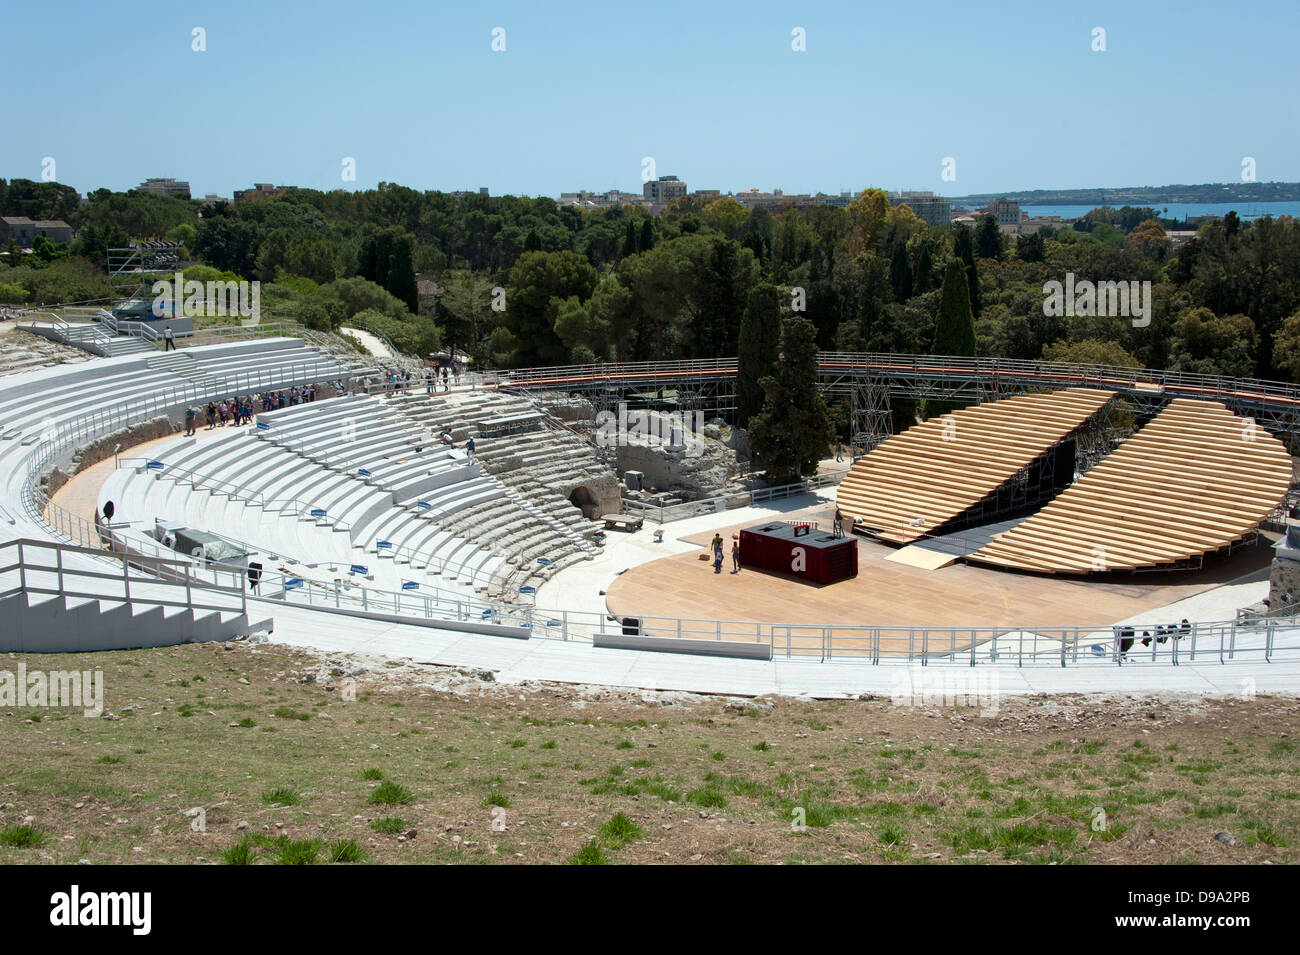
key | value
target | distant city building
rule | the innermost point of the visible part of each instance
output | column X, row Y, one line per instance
column 462, row 194
column 22, row 231
column 840, row 201
column 772, row 201
column 1029, row 225
column 584, row 199
column 166, row 187
column 663, row 190
column 705, row 196
column 929, row 208
column 54, row 229
column 260, row 191
column 1008, row 215
column 17, row 229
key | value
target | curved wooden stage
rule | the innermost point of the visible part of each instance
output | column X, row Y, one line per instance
column 886, row 593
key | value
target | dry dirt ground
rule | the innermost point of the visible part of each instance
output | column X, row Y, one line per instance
column 254, row 752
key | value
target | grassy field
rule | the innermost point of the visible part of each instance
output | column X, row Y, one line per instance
column 297, row 758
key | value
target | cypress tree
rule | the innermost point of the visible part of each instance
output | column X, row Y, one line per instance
column 793, row 431
column 759, row 347
column 401, row 271
column 988, row 238
column 964, row 249
column 954, row 327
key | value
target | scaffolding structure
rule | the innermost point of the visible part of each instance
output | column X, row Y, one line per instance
column 871, row 381
column 133, row 270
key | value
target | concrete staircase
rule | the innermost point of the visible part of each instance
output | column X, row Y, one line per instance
column 42, row 623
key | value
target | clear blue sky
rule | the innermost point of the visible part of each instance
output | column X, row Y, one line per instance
column 713, row 92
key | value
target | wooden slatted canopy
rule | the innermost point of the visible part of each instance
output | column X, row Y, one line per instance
column 1195, row 479
column 940, row 468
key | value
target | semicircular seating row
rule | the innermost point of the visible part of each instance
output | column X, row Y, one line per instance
column 1196, row 479
column 88, row 399
column 914, row 482
column 346, row 481
column 33, row 404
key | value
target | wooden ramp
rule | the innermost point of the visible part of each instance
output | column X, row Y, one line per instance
column 915, row 481
column 921, row 557
column 1195, row 479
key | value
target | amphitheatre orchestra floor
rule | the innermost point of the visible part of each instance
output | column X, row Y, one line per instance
column 888, row 593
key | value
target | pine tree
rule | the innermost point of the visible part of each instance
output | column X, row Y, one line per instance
column 793, row 432
column 647, row 235
column 629, row 239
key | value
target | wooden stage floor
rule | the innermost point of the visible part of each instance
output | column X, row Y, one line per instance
column 888, row 593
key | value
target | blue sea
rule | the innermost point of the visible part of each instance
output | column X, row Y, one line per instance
column 1180, row 210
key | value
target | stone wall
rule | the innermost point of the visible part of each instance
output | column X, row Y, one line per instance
column 102, row 448
column 709, row 473
column 1283, row 586
column 598, row 495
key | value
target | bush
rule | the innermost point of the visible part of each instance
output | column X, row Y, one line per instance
column 619, row 831
column 241, row 853
column 590, row 854
column 346, row 851
column 22, row 836
column 281, row 796
column 390, row 793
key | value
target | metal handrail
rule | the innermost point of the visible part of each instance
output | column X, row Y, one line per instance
column 1284, row 394
column 161, row 570
column 664, row 513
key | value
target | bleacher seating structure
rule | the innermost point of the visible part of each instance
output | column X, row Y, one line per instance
column 45, row 414
column 1197, row 478
column 367, row 481
column 913, row 483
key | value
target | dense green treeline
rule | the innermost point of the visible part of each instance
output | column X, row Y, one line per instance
column 518, row 281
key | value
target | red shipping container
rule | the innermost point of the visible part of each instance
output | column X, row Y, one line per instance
column 801, row 552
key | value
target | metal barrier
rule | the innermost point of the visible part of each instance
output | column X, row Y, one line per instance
column 1275, row 395
column 664, row 513
column 174, row 576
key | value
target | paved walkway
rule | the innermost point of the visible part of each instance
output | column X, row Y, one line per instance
column 517, row 661
column 372, row 343
column 81, row 494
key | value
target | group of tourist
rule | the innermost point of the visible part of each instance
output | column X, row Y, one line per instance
column 294, row 396
column 229, row 411
column 433, row 377
column 444, row 375
column 1127, row 635
column 240, row 411
column 716, row 547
